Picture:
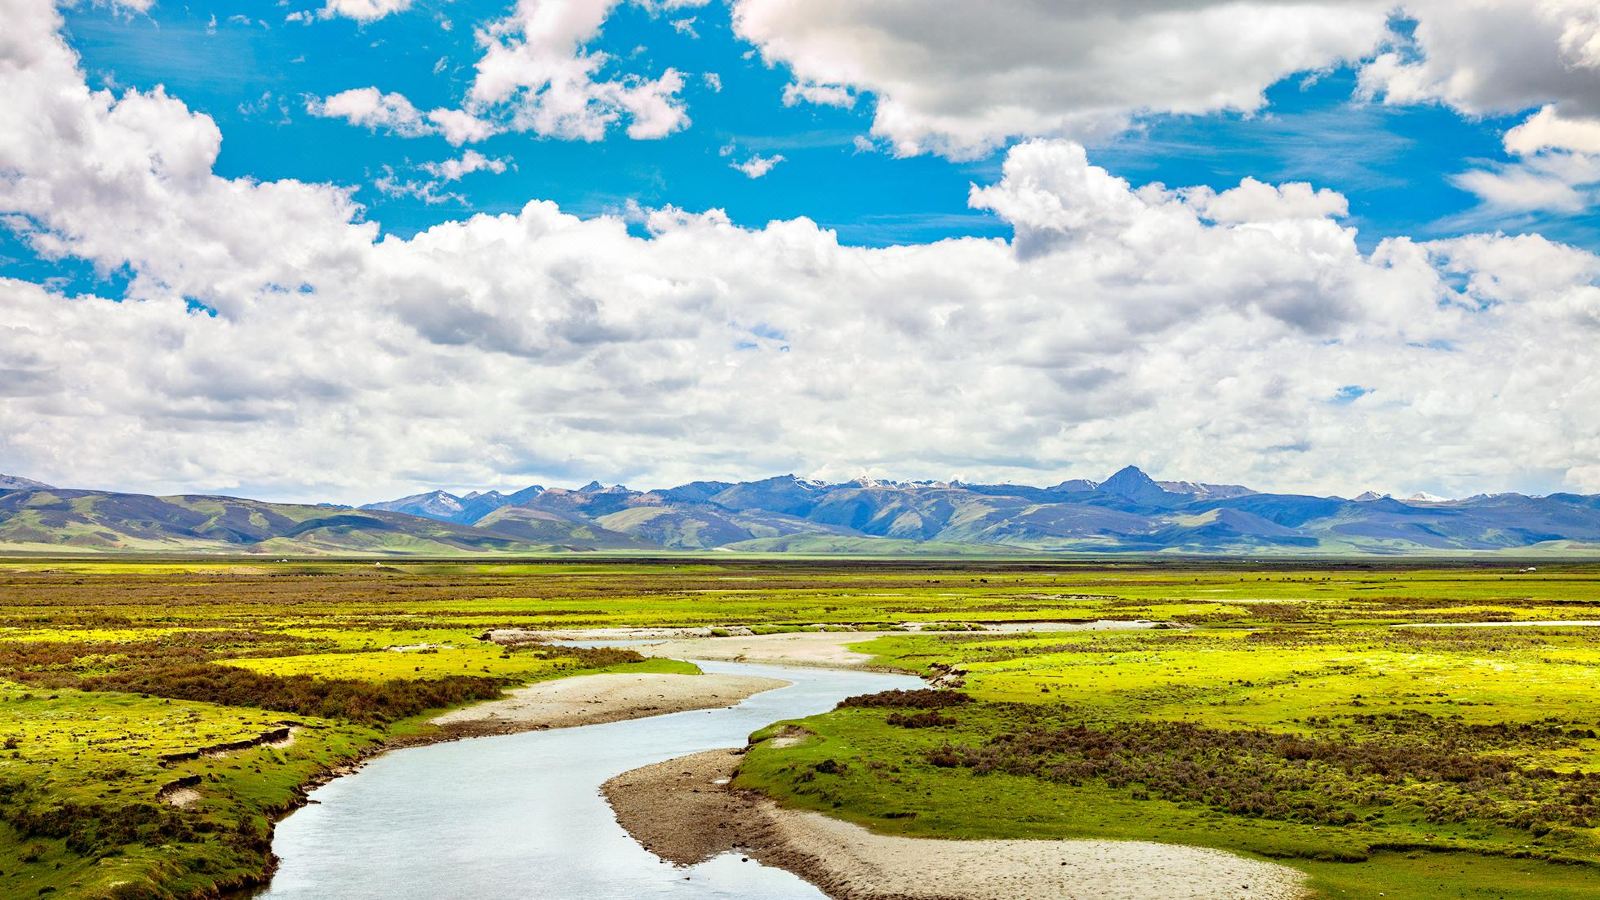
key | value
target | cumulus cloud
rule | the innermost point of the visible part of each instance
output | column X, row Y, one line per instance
column 433, row 188
column 961, row 78
column 363, row 10
column 1559, row 183
column 1549, row 130
column 1201, row 333
column 795, row 93
column 1556, row 167
column 393, row 113
column 757, row 165
column 471, row 161
column 1494, row 56
column 1503, row 56
column 536, row 62
column 1257, row 201
column 536, row 74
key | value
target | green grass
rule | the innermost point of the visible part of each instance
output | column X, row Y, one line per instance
column 1430, row 699
column 1425, row 876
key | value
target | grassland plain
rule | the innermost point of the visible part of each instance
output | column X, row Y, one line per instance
column 157, row 715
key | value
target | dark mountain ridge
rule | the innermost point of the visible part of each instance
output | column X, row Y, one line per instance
column 1129, row 512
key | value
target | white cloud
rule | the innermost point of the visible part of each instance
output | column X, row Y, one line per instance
column 1561, row 183
column 1494, row 56
column 470, row 162
column 961, row 78
column 460, row 127
column 1548, row 130
column 372, row 108
column 1199, row 333
column 1557, row 169
column 363, row 10
column 537, row 74
column 431, row 190
column 1256, row 201
column 757, row 165
column 536, row 64
column 395, row 114
column 795, row 93
column 1488, row 57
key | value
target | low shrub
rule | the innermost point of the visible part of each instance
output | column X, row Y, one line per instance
column 918, row 699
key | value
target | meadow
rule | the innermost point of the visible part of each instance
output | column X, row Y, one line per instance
column 157, row 715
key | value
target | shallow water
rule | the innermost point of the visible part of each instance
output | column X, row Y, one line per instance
column 521, row 815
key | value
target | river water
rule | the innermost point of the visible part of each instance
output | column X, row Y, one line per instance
column 521, row 816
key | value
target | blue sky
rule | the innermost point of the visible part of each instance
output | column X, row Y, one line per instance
column 254, row 81
column 253, row 72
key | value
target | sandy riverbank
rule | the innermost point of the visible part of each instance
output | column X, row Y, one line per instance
column 592, row 699
column 683, row 811
column 793, row 648
column 789, row 648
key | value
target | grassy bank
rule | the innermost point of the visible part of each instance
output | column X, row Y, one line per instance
column 1415, row 762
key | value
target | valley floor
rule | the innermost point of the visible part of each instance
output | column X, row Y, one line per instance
column 1274, row 712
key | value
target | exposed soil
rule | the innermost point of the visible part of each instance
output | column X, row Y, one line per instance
column 592, row 699
column 794, row 648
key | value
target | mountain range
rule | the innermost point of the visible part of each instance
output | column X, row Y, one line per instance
column 1127, row 513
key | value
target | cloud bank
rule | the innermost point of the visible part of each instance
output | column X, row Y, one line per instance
column 1197, row 333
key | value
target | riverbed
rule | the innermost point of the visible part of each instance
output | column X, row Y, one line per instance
column 521, row 815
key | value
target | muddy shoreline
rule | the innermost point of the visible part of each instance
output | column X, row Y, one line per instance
column 597, row 699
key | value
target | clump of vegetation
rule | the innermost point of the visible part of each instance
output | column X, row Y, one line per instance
column 1429, row 769
column 356, row 701
column 919, row 699
column 927, row 719
column 94, row 828
column 587, row 657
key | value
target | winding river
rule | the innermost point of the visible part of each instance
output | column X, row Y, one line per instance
column 521, row 815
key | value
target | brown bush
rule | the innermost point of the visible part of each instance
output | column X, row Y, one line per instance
column 918, row 699
column 1433, row 767
column 359, row 701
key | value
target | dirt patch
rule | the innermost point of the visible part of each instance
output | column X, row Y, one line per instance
column 683, row 811
column 180, row 793
column 181, row 798
column 789, row 736
column 277, row 737
column 611, row 697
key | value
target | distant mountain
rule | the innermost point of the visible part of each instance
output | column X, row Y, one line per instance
column 1129, row 512
column 1203, row 490
column 1133, row 485
column 52, row 520
column 431, row 505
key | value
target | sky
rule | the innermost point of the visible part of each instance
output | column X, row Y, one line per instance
column 347, row 249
